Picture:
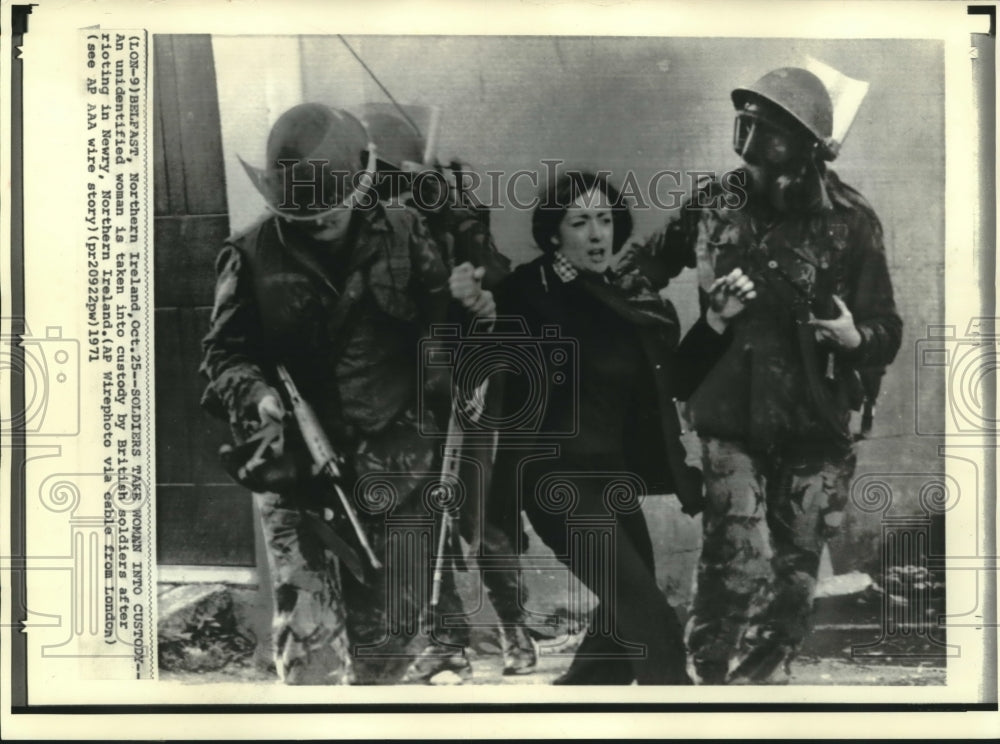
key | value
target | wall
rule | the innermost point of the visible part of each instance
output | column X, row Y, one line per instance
column 202, row 517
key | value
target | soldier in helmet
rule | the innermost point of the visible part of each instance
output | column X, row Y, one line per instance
column 339, row 290
column 773, row 408
column 461, row 229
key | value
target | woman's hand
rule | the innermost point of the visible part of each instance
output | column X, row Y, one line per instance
column 466, row 285
column 727, row 297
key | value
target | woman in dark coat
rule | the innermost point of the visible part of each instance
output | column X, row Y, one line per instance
column 592, row 428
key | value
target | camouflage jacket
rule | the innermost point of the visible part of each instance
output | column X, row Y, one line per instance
column 349, row 336
column 463, row 234
column 773, row 385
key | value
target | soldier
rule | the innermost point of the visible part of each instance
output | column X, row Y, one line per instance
column 773, row 412
column 339, row 289
column 461, row 229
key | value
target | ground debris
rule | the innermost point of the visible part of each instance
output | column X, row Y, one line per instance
column 197, row 629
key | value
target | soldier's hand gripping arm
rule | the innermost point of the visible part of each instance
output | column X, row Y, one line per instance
column 670, row 250
column 665, row 254
column 708, row 338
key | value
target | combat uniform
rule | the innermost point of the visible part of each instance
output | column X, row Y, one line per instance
column 347, row 325
column 465, row 236
column 773, row 411
column 461, row 230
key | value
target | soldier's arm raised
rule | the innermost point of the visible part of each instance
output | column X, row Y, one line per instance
column 671, row 249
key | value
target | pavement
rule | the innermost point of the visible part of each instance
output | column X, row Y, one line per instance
column 831, row 656
column 487, row 670
column 218, row 633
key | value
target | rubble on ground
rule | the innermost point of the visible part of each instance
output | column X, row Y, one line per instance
column 197, row 629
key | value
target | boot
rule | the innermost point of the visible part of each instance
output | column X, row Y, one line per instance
column 435, row 659
column 520, row 651
column 765, row 665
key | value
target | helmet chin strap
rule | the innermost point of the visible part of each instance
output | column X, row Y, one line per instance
column 367, row 179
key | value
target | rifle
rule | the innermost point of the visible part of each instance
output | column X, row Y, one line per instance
column 324, row 457
column 449, row 474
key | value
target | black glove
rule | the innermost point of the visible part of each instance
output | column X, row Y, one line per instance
column 263, row 463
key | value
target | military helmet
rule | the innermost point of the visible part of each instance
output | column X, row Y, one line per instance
column 314, row 162
column 396, row 139
column 797, row 92
column 406, row 166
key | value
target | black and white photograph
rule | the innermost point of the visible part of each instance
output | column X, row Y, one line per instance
column 454, row 365
column 609, row 228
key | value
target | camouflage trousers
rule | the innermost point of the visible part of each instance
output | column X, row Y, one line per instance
column 309, row 632
column 328, row 627
column 331, row 628
column 765, row 524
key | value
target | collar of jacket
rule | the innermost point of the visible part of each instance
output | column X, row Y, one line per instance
column 304, row 254
column 565, row 272
column 382, row 246
column 637, row 308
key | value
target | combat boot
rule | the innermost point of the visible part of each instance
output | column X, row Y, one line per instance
column 436, row 659
column 764, row 666
column 520, row 651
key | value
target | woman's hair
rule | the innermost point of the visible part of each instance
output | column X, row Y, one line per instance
column 559, row 196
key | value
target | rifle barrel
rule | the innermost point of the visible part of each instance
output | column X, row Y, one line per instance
column 323, row 456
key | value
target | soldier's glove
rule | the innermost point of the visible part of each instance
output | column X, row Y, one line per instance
column 263, row 463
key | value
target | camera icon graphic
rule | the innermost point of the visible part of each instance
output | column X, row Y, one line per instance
column 965, row 368
column 535, row 370
column 48, row 370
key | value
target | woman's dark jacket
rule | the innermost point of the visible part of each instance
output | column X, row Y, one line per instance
column 612, row 404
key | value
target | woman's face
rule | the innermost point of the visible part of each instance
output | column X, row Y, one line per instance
column 586, row 233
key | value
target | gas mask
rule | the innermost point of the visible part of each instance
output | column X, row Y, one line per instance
column 782, row 163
